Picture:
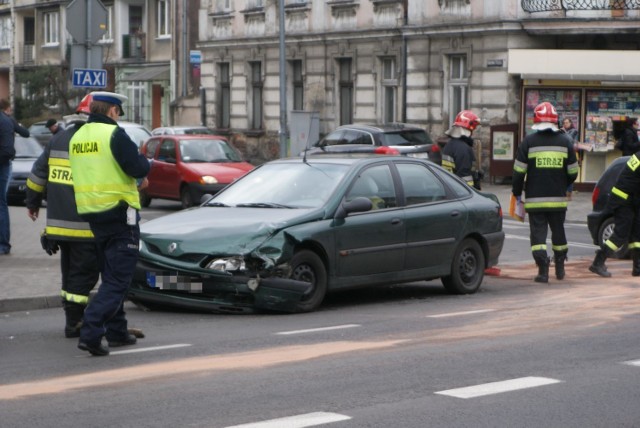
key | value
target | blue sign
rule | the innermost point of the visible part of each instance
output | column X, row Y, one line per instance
column 195, row 57
column 88, row 78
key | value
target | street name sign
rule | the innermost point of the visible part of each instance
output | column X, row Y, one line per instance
column 88, row 78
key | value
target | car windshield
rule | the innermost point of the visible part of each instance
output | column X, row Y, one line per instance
column 405, row 138
column 194, row 151
column 39, row 128
column 284, row 185
column 27, row 148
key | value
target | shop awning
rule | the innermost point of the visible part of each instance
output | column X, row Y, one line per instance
column 567, row 64
column 160, row 72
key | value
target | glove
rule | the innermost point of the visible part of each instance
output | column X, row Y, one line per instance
column 519, row 199
column 51, row 247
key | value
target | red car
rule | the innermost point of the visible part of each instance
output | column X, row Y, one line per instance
column 185, row 167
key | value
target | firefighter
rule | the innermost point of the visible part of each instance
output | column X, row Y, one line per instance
column 548, row 161
column 458, row 156
column 65, row 230
column 105, row 164
column 625, row 204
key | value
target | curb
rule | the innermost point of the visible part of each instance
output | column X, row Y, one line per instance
column 30, row 303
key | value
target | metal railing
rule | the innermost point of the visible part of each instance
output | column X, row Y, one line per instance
column 551, row 5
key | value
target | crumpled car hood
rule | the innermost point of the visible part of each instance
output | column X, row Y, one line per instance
column 220, row 231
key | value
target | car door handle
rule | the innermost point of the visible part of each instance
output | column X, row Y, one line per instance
column 455, row 213
column 396, row 221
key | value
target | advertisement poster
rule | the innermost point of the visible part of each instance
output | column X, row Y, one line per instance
column 503, row 143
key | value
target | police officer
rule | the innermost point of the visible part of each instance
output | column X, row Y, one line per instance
column 105, row 164
column 548, row 161
column 65, row 230
column 625, row 204
column 458, row 156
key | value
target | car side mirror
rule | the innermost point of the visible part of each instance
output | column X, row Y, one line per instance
column 357, row 205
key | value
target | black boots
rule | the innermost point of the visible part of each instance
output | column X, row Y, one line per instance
column 598, row 265
column 73, row 313
column 558, row 260
column 543, row 270
column 635, row 255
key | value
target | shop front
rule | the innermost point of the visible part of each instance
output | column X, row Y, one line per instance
column 599, row 105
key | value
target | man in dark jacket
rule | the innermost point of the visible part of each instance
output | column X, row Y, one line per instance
column 8, row 129
column 105, row 164
column 625, row 204
column 629, row 142
column 458, row 156
column 548, row 161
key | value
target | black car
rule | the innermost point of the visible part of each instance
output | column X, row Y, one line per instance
column 390, row 138
column 600, row 219
column 27, row 151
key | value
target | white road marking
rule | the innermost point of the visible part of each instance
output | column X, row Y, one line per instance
column 299, row 421
column 315, row 330
column 455, row 314
column 150, row 349
column 632, row 363
column 498, row 387
column 571, row 244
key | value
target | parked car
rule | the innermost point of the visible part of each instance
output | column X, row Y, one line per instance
column 138, row 133
column 290, row 231
column 600, row 219
column 397, row 138
column 41, row 133
column 27, row 151
column 179, row 130
column 185, row 167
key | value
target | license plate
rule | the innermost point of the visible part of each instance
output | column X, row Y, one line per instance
column 174, row 282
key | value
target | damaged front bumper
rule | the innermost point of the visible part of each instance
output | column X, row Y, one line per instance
column 221, row 293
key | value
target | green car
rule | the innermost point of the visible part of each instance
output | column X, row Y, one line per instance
column 290, row 231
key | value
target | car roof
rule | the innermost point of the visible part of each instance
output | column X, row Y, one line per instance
column 349, row 159
column 384, row 127
column 189, row 137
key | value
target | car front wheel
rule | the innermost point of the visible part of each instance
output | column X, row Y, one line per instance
column 145, row 200
column 605, row 232
column 185, row 198
column 467, row 269
column 308, row 267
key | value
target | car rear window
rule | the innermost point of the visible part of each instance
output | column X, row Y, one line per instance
column 405, row 138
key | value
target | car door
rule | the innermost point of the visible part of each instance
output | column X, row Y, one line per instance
column 372, row 242
column 165, row 171
column 434, row 220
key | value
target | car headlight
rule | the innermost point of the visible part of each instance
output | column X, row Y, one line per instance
column 227, row 264
column 207, row 179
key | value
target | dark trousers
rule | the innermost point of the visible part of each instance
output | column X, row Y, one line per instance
column 79, row 267
column 117, row 247
column 539, row 223
column 626, row 218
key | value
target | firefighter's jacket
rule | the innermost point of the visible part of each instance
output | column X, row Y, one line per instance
column 545, row 165
column 627, row 187
column 51, row 176
column 458, row 158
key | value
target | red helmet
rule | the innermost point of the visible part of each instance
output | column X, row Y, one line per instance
column 545, row 112
column 83, row 107
column 467, row 119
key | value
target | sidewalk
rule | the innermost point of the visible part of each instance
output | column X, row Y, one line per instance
column 30, row 279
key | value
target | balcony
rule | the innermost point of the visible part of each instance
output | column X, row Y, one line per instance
column 27, row 55
column 133, row 46
column 553, row 5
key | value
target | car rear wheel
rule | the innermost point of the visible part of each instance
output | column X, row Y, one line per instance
column 467, row 269
column 308, row 267
column 186, row 198
column 605, row 232
column 145, row 200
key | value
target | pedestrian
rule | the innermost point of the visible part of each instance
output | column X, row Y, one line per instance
column 8, row 128
column 624, row 202
column 570, row 131
column 629, row 142
column 458, row 156
column 105, row 164
column 547, row 160
column 53, row 126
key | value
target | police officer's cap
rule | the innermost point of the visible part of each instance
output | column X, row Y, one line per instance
column 111, row 98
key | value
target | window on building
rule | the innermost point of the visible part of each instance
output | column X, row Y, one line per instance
column 223, row 5
column 297, row 83
column 457, row 85
column 254, row 4
column 5, row 32
column 134, row 107
column 345, row 90
column 107, row 37
column 224, row 100
column 255, row 118
column 164, row 23
column 389, row 91
column 51, row 28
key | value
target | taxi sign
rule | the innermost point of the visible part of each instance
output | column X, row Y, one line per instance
column 89, row 78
